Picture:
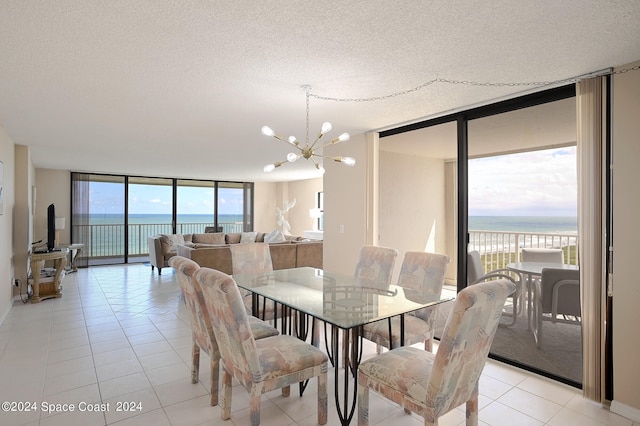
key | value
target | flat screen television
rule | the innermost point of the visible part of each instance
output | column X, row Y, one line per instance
column 51, row 227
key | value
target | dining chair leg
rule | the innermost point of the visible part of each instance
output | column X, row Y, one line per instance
column 363, row 405
column 214, row 377
column 254, row 406
column 322, row 398
column 428, row 345
column 225, row 404
column 472, row 409
column 195, row 362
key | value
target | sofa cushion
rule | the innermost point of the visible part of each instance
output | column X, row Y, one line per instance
column 233, row 238
column 248, row 237
column 210, row 238
column 260, row 237
column 170, row 242
column 205, row 245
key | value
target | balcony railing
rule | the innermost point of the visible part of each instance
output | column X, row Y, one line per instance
column 105, row 241
column 498, row 248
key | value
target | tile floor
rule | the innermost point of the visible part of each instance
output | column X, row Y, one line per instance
column 119, row 335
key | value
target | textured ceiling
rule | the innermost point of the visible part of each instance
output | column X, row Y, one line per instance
column 182, row 87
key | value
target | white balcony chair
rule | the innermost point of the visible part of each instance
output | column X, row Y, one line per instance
column 476, row 274
column 557, row 299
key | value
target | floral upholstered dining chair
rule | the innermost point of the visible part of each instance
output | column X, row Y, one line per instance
column 253, row 258
column 201, row 325
column 258, row 365
column 375, row 264
column 432, row 385
column 421, row 278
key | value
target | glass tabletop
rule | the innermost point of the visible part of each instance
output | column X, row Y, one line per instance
column 339, row 299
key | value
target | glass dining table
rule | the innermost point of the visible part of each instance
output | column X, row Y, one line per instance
column 344, row 304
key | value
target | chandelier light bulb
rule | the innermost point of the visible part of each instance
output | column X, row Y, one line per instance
column 292, row 140
column 267, row 131
column 344, row 137
column 269, row 168
column 292, row 157
column 347, row 161
column 326, row 127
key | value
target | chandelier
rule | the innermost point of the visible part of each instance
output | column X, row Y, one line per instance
column 308, row 151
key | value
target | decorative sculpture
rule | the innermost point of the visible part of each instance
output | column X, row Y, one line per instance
column 282, row 222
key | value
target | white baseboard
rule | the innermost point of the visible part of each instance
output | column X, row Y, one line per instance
column 625, row 410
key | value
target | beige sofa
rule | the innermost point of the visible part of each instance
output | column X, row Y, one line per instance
column 211, row 250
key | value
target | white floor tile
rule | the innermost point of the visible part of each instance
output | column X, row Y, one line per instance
column 121, row 334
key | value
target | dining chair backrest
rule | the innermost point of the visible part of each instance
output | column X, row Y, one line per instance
column 422, row 278
column 194, row 301
column 231, row 324
column 250, row 258
column 375, row 264
column 475, row 270
column 465, row 343
column 542, row 255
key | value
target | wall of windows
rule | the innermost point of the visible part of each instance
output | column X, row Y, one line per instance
column 114, row 215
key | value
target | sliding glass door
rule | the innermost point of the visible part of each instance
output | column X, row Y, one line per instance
column 113, row 216
column 150, row 212
column 522, row 193
column 98, row 217
column 196, row 203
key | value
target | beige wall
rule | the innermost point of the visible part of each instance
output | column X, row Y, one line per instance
column 305, row 192
column 345, row 207
column 412, row 204
column 23, row 234
column 626, row 235
column 53, row 187
column 7, row 156
column 269, row 195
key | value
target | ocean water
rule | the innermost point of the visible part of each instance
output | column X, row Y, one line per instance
column 534, row 224
column 135, row 219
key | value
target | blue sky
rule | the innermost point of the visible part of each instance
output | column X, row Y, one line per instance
column 537, row 183
column 107, row 198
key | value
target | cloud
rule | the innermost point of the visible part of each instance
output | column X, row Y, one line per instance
column 537, row 183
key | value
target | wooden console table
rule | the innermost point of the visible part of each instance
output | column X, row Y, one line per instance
column 47, row 289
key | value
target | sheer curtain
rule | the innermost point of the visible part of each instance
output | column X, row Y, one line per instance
column 80, row 216
column 591, row 227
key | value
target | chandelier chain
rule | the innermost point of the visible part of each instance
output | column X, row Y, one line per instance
column 459, row 82
column 307, row 89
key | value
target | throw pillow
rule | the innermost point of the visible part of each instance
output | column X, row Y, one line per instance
column 210, row 238
column 248, row 237
column 170, row 242
column 274, row 237
column 233, row 238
